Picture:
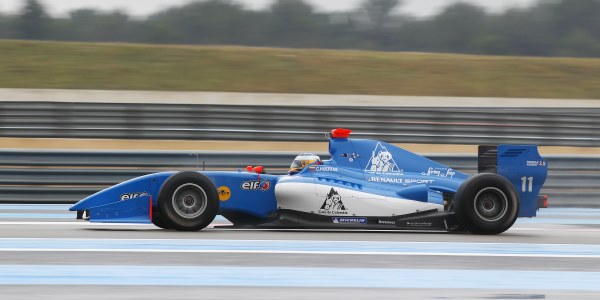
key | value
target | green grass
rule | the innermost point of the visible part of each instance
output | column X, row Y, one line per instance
column 57, row 65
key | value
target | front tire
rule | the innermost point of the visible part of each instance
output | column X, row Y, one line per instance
column 188, row 201
column 158, row 219
column 487, row 204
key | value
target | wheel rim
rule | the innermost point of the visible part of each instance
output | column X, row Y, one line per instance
column 491, row 204
column 189, row 200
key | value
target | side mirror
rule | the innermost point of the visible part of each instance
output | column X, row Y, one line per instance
column 257, row 169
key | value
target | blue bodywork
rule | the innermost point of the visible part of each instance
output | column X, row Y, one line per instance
column 367, row 166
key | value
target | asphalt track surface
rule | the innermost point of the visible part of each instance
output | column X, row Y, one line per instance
column 46, row 254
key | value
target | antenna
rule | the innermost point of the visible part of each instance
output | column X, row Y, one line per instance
column 198, row 161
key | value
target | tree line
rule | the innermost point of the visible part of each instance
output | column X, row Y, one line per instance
column 548, row 28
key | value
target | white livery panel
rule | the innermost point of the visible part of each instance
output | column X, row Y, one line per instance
column 329, row 200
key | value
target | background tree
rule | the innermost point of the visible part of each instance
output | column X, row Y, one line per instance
column 557, row 27
column 576, row 27
column 207, row 22
column 379, row 12
column 33, row 22
column 458, row 27
column 294, row 23
column 5, row 27
column 379, row 20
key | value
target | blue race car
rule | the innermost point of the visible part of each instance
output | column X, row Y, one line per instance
column 366, row 184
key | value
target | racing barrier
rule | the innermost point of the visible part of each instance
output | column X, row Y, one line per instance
column 68, row 176
column 440, row 125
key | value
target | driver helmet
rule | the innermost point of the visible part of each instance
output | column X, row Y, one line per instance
column 303, row 160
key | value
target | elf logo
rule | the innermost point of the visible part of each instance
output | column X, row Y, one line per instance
column 254, row 185
column 129, row 196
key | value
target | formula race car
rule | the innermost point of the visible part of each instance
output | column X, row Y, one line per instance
column 366, row 184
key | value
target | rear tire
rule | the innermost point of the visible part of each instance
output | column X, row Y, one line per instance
column 187, row 201
column 487, row 204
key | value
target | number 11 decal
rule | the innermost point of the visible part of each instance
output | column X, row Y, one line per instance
column 526, row 187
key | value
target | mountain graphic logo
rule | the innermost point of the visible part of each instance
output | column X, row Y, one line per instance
column 382, row 160
column 333, row 202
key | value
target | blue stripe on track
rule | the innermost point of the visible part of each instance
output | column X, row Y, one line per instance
column 590, row 213
column 70, row 216
column 558, row 221
column 57, row 207
column 297, row 277
column 302, row 246
column 570, row 209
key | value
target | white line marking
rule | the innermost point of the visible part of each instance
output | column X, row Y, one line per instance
column 141, row 250
column 287, row 241
column 88, row 224
column 82, row 223
column 563, row 228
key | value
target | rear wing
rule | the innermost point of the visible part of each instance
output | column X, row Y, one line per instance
column 523, row 166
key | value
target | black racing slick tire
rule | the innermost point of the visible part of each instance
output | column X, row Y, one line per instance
column 158, row 220
column 188, row 201
column 486, row 204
